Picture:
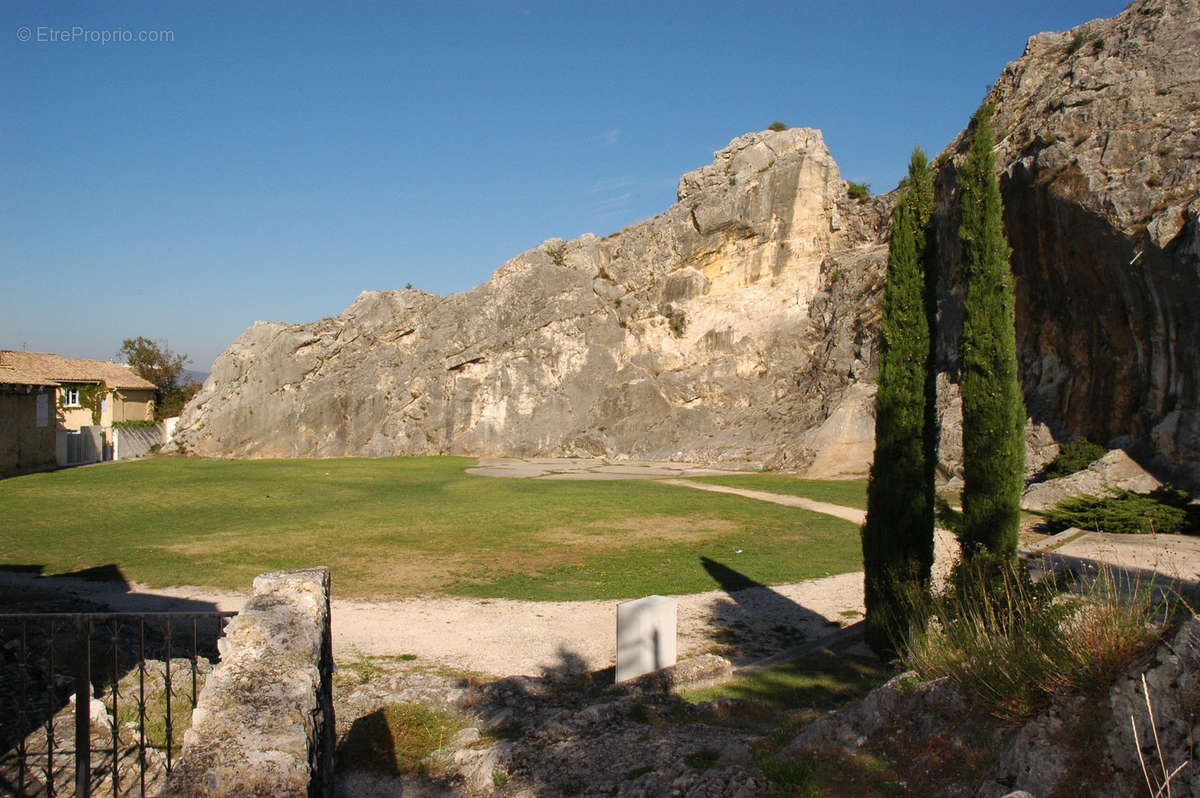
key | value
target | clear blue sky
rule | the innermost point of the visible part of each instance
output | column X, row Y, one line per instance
column 272, row 160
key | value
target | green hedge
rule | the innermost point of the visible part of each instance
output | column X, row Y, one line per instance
column 1165, row 510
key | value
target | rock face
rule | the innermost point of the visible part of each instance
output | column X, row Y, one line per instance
column 739, row 325
column 1099, row 141
column 1114, row 471
column 1078, row 745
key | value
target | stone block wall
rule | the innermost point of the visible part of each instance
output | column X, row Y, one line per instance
column 264, row 723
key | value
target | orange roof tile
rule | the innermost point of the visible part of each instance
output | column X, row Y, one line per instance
column 38, row 368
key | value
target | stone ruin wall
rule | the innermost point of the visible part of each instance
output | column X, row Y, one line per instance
column 264, row 722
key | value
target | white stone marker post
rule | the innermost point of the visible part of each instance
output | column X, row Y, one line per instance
column 645, row 636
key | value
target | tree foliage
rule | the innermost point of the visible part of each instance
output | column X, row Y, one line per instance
column 993, row 408
column 154, row 361
column 898, row 534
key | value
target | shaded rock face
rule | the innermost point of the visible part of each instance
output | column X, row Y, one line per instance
column 739, row 325
column 1098, row 133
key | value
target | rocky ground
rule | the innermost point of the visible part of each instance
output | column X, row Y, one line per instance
column 575, row 734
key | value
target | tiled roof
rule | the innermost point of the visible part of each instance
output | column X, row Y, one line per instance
column 37, row 368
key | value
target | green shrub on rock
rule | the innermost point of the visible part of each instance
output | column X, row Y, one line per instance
column 1074, row 456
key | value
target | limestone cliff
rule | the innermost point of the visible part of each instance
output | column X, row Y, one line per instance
column 739, row 325
column 1098, row 133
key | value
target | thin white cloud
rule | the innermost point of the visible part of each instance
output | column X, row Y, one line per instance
column 612, row 184
column 606, row 139
column 612, row 206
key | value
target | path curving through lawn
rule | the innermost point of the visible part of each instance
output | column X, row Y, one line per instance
column 837, row 510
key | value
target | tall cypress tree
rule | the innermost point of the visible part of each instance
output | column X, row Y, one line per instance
column 993, row 408
column 897, row 538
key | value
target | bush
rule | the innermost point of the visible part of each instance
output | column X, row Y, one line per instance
column 1163, row 511
column 858, row 191
column 1014, row 644
column 777, row 126
column 1072, row 457
column 132, row 423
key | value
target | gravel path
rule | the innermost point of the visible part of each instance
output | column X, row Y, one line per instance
column 502, row 637
column 847, row 513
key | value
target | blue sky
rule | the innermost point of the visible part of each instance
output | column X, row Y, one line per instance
column 272, row 160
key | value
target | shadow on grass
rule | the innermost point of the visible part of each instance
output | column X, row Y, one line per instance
column 756, row 621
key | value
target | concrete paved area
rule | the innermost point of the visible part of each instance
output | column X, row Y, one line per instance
column 1175, row 557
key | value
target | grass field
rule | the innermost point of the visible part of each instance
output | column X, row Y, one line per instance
column 846, row 492
column 407, row 526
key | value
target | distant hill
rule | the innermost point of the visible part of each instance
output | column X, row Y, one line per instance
column 193, row 376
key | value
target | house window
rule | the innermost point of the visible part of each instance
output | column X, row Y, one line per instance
column 71, row 397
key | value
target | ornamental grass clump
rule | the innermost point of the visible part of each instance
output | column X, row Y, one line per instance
column 1015, row 643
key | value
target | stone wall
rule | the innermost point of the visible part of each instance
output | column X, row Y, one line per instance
column 264, row 722
column 131, row 442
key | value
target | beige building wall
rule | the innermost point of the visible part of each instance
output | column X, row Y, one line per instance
column 72, row 418
column 25, row 446
column 130, row 405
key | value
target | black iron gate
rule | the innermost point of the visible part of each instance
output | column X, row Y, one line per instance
column 97, row 703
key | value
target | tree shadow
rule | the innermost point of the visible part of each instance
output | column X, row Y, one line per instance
column 572, row 731
column 755, row 621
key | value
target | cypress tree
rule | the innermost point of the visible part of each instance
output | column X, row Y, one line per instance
column 993, row 408
column 897, row 538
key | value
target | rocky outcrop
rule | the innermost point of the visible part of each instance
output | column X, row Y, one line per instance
column 1115, row 471
column 1081, row 745
column 739, row 325
column 1098, row 134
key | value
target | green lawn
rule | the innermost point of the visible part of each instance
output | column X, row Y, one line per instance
column 406, row 526
column 821, row 680
column 846, row 492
